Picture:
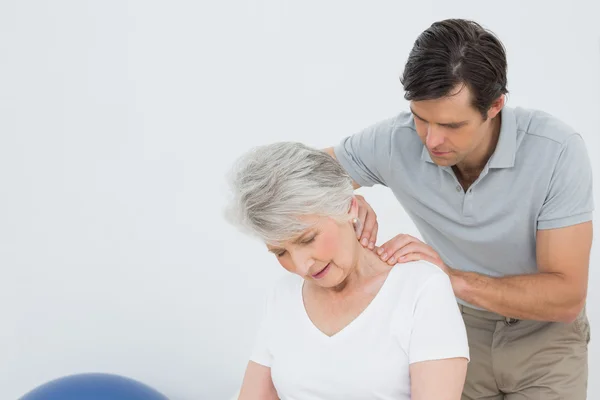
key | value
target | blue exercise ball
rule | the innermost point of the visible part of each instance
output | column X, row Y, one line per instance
column 95, row 386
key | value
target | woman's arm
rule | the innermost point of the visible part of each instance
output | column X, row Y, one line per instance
column 257, row 384
column 438, row 379
column 437, row 345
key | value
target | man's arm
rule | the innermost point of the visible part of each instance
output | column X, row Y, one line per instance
column 556, row 293
column 329, row 150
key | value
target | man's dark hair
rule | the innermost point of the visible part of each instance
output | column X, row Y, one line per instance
column 453, row 52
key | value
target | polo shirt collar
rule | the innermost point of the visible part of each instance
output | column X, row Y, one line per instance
column 425, row 156
column 506, row 148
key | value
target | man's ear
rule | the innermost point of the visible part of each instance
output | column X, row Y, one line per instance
column 496, row 106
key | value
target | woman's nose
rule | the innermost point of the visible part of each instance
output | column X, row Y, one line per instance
column 302, row 262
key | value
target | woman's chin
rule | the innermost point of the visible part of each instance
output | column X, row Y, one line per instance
column 335, row 282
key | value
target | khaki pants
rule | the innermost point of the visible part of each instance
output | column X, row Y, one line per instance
column 525, row 360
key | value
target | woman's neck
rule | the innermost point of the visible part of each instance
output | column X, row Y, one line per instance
column 367, row 267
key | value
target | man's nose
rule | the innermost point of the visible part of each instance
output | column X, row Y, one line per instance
column 435, row 137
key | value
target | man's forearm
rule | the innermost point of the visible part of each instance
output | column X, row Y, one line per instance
column 540, row 296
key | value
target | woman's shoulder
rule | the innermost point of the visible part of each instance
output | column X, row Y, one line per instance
column 416, row 273
column 410, row 280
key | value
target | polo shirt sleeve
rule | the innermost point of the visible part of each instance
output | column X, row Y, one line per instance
column 569, row 200
column 437, row 327
column 366, row 154
column 261, row 353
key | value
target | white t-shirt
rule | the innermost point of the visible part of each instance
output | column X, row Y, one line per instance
column 414, row 317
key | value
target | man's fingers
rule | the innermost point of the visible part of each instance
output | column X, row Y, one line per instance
column 370, row 226
column 415, row 247
column 406, row 258
column 366, row 232
column 392, row 246
column 373, row 238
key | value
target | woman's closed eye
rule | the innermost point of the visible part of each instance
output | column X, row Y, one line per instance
column 309, row 240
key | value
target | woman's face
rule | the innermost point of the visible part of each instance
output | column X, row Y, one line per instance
column 324, row 254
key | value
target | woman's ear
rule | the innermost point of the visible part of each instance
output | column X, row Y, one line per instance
column 353, row 211
column 353, row 214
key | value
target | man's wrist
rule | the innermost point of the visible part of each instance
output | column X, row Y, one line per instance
column 460, row 285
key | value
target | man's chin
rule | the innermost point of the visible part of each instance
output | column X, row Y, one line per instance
column 443, row 161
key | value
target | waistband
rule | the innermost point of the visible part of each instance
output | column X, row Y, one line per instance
column 491, row 316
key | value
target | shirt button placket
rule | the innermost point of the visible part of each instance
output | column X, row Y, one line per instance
column 468, row 203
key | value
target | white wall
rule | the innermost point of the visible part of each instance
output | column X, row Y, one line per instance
column 119, row 118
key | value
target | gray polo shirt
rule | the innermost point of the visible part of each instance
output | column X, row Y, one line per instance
column 539, row 177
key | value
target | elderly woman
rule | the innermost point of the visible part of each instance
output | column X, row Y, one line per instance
column 343, row 324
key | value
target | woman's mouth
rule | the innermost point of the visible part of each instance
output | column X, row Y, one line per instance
column 322, row 272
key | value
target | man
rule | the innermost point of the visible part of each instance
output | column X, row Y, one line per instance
column 503, row 197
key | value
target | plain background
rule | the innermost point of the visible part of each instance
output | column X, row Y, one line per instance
column 119, row 120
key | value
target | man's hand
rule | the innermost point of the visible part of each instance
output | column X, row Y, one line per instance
column 366, row 231
column 404, row 248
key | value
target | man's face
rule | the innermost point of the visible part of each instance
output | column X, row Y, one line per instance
column 450, row 127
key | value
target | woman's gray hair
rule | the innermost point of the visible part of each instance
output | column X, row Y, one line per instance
column 276, row 184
